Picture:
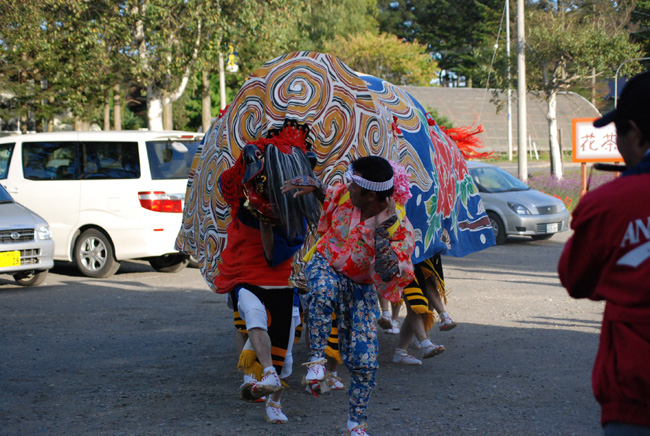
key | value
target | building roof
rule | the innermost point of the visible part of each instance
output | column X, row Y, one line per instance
column 467, row 106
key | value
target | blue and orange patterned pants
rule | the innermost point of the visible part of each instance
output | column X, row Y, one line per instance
column 357, row 309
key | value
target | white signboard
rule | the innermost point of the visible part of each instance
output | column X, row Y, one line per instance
column 592, row 144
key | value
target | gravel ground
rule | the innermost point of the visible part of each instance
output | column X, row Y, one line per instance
column 144, row 353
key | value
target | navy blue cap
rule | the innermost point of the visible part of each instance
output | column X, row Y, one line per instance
column 605, row 119
column 633, row 104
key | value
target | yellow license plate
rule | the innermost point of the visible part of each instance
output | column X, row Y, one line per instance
column 9, row 258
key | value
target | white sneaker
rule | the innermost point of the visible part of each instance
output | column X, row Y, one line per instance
column 404, row 358
column 270, row 383
column 316, row 370
column 432, row 350
column 394, row 328
column 245, row 388
column 384, row 322
column 331, row 383
column 415, row 343
column 274, row 413
column 334, row 382
column 359, row 430
column 446, row 323
column 313, row 388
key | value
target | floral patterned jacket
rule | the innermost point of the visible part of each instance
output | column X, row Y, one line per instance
column 349, row 244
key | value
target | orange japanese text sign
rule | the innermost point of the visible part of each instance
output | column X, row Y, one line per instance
column 593, row 144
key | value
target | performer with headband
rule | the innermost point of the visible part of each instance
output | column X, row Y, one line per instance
column 364, row 250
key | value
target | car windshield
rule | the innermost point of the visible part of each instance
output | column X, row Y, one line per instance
column 4, row 196
column 171, row 159
column 493, row 179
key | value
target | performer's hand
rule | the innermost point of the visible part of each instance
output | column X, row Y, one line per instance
column 300, row 189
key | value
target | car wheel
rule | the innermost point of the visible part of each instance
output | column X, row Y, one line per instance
column 543, row 237
column 30, row 278
column 93, row 254
column 498, row 228
column 169, row 263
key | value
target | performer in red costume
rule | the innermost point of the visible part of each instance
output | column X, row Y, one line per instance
column 268, row 228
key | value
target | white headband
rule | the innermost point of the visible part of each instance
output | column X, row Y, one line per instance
column 367, row 184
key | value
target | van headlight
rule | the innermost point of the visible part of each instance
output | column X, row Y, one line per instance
column 519, row 209
column 43, row 232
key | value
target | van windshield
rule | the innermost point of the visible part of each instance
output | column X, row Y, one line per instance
column 171, row 159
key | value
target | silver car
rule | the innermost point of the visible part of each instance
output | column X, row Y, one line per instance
column 516, row 209
column 26, row 245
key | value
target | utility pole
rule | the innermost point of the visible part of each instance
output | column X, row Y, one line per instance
column 521, row 93
column 509, row 91
column 222, row 81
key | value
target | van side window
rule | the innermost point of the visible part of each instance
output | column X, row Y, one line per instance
column 110, row 160
column 5, row 157
column 49, row 160
column 171, row 159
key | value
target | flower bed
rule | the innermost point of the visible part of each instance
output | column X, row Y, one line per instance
column 568, row 188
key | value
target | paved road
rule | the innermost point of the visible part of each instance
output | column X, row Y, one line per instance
column 144, row 353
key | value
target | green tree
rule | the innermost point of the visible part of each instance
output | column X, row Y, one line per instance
column 322, row 21
column 640, row 18
column 165, row 46
column 59, row 56
column 87, row 53
column 385, row 56
column 459, row 34
column 283, row 26
column 259, row 30
column 68, row 55
column 263, row 30
column 565, row 48
column 22, row 53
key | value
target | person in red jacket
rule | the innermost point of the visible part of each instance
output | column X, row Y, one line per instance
column 608, row 258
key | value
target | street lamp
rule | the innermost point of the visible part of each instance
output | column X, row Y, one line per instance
column 616, row 76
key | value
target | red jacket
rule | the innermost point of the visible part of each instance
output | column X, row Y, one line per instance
column 243, row 261
column 608, row 258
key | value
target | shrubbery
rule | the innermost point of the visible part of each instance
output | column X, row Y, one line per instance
column 568, row 188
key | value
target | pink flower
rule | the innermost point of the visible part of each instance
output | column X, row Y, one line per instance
column 400, row 183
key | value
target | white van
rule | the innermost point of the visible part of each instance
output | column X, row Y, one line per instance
column 108, row 196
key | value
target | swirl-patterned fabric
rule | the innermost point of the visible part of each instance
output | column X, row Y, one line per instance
column 349, row 115
column 446, row 209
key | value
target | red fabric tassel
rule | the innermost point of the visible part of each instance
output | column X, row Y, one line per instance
column 467, row 140
column 230, row 181
column 289, row 136
column 223, row 111
column 395, row 126
column 232, row 189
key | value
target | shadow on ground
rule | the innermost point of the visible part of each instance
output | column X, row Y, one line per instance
column 134, row 360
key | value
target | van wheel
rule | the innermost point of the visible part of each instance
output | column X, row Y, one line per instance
column 30, row 278
column 498, row 228
column 169, row 263
column 93, row 254
column 193, row 263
